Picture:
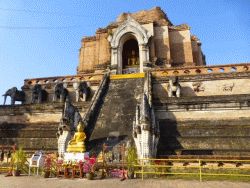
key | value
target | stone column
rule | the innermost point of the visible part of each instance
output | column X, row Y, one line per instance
column 114, row 60
column 144, row 55
column 119, row 60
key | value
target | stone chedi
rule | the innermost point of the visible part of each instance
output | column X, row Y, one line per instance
column 145, row 39
column 164, row 108
column 76, row 144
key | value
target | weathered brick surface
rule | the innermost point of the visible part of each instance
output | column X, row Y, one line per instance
column 147, row 16
column 33, row 126
column 172, row 44
column 212, row 125
column 118, row 110
column 180, row 47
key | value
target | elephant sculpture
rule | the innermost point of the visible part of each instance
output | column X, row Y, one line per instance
column 38, row 94
column 60, row 93
column 15, row 95
column 82, row 91
column 174, row 87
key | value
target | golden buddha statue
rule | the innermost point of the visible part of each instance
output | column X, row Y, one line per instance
column 132, row 59
column 76, row 144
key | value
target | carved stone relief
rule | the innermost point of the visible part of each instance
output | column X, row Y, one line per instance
column 228, row 87
column 198, row 87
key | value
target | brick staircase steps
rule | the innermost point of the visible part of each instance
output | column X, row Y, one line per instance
column 118, row 109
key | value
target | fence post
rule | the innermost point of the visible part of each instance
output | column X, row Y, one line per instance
column 200, row 170
column 142, row 169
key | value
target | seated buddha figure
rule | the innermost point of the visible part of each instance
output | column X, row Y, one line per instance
column 132, row 59
column 76, row 144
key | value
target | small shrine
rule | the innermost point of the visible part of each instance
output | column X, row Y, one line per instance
column 76, row 150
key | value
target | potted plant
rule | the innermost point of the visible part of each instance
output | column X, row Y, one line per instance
column 88, row 168
column 18, row 160
column 131, row 161
column 47, row 165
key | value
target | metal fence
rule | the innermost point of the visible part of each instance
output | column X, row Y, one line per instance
column 192, row 167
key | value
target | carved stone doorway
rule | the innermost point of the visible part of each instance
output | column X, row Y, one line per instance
column 130, row 56
column 129, row 32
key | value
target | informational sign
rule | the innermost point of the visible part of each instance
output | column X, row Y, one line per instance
column 36, row 161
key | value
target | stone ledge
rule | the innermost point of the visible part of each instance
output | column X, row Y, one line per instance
column 54, row 106
column 127, row 76
column 206, row 123
column 200, row 70
column 205, row 77
column 205, row 99
column 69, row 78
column 198, row 103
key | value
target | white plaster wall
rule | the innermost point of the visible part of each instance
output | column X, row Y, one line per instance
column 150, row 28
column 207, row 88
column 219, row 87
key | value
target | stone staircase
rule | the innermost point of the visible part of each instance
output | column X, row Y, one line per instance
column 115, row 118
column 33, row 126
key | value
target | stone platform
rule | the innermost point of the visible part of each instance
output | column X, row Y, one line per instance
column 32, row 126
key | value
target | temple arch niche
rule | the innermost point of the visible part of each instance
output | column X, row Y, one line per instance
column 130, row 55
column 128, row 32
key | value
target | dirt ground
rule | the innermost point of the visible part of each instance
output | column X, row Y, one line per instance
column 39, row 182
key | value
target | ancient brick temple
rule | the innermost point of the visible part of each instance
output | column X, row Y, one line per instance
column 142, row 81
column 139, row 40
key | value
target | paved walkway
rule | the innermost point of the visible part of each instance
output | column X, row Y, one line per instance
column 39, row 182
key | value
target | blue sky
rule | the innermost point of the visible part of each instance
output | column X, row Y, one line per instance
column 42, row 38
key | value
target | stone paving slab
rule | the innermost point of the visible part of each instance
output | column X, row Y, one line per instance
column 39, row 182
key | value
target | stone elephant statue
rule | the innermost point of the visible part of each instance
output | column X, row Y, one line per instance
column 38, row 94
column 82, row 91
column 174, row 87
column 15, row 95
column 60, row 93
